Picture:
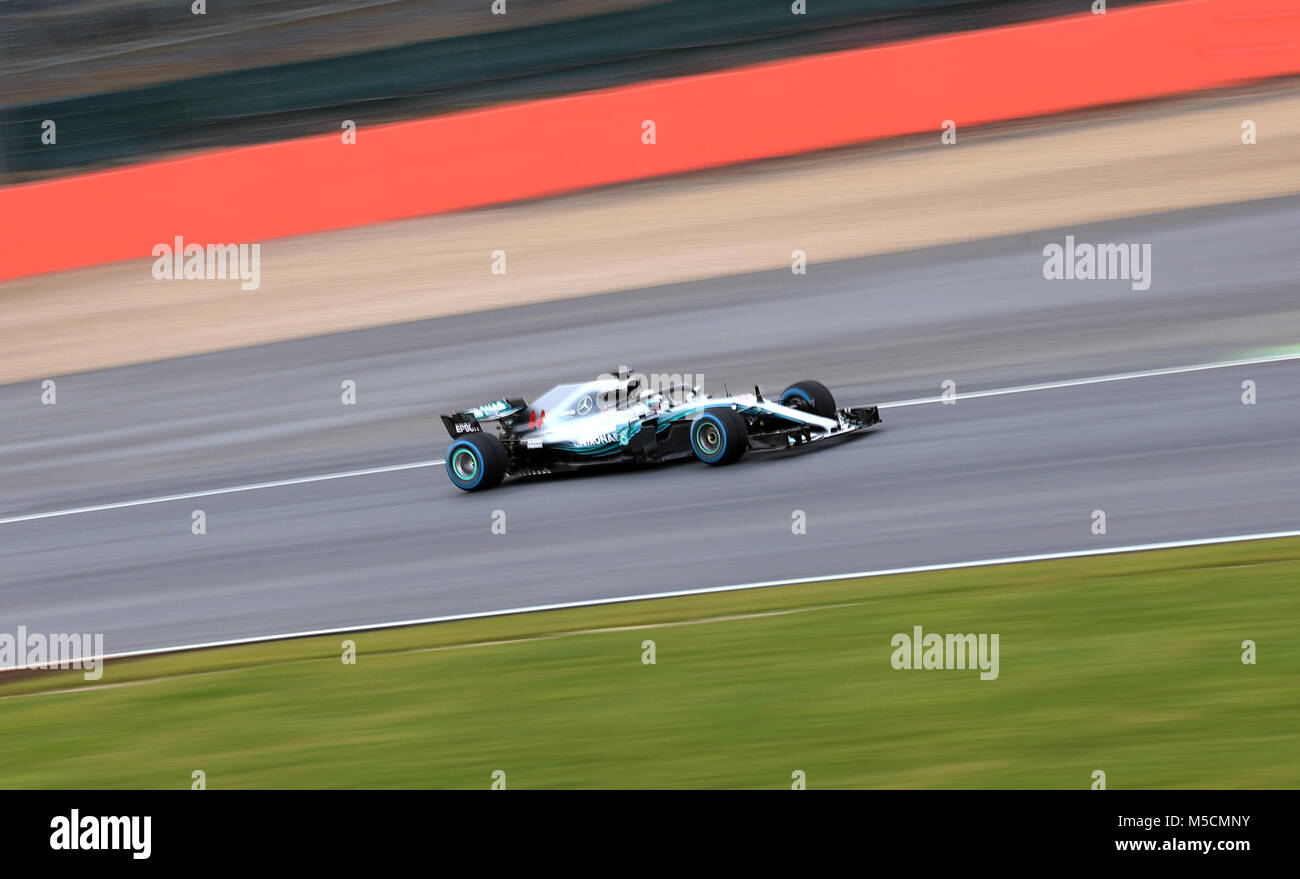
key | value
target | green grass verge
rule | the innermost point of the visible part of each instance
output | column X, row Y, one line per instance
column 1130, row 664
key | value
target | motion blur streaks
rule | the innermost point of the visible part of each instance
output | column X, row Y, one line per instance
column 1169, row 457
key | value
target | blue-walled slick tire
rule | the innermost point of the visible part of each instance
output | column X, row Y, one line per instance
column 810, row 396
column 476, row 461
column 719, row 436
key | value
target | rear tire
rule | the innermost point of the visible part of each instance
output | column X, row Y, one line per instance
column 810, row 396
column 719, row 436
column 476, row 461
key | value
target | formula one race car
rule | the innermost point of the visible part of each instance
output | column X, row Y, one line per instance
column 625, row 418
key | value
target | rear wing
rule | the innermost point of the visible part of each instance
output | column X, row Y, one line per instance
column 467, row 420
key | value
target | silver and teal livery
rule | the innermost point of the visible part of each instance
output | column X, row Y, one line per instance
column 615, row 419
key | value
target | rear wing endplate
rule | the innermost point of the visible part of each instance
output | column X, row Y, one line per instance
column 467, row 420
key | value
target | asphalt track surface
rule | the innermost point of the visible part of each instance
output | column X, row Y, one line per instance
column 1166, row 457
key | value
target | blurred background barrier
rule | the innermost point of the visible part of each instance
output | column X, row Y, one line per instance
column 537, row 148
column 125, row 80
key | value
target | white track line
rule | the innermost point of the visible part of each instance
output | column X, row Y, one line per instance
column 682, row 593
column 1097, row 380
column 441, row 648
column 231, row 490
column 996, row 392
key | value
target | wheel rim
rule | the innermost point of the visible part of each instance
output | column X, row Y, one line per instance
column 794, row 401
column 464, row 464
column 709, row 438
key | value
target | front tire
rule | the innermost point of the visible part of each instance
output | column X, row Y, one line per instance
column 719, row 436
column 810, row 396
column 476, row 461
